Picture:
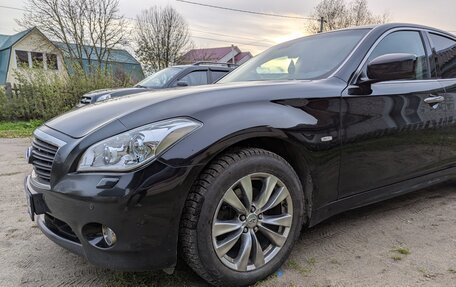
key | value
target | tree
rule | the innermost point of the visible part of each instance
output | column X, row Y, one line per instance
column 162, row 37
column 80, row 25
column 339, row 14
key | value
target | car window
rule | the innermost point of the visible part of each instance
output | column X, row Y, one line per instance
column 312, row 57
column 445, row 48
column 195, row 78
column 280, row 65
column 409, row 42
column 159, row 79
column 217, row 75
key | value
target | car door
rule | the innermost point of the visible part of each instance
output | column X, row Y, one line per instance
column 391, row 134
column 444, row 51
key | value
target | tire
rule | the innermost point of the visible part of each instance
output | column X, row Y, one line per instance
column 209, row 206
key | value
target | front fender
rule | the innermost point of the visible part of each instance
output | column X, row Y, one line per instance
column 302, row 122
column 299, row 123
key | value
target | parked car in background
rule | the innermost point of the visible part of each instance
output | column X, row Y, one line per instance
column 230, row 173
column 197, row 74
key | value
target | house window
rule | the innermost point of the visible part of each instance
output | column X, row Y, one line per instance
column 51, row 60
column 27, row 59
column 22, row 59
column 37, row 60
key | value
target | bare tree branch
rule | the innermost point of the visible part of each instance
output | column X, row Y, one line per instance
column 81, row 25
column 339, row 14
column 162, row 36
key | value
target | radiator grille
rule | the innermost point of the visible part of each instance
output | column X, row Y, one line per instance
column 43, row 154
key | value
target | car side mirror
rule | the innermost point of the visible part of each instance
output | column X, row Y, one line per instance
column 388, row 67
column 392, row 67
column 182, row 84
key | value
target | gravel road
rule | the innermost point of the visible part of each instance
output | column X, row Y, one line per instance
column 407, row 241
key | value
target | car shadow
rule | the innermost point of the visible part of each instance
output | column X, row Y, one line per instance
column 184, row 276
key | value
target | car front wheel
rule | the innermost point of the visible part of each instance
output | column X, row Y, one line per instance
column 242, row 217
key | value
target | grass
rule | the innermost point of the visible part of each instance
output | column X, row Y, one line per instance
column 303, row 270
column 402, row 250
column 269, row 281
column 399, row 252
column 396, row 257
column 181, row 277
column 311, row 261
column 421, row 270
column 18, row 129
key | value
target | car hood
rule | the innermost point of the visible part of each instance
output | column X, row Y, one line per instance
column 114, row 92
column 151, row 106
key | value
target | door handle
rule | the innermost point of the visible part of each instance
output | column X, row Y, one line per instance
column 434, row 100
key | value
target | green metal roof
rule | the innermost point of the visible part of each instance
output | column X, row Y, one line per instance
column 115, row 55
column 117, row 59
column 7, row 41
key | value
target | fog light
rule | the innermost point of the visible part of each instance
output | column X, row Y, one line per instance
column 108, row 235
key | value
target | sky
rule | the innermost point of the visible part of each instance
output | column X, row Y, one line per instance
column 217, row 28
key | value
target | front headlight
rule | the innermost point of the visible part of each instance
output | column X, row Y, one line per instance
column 136, row 147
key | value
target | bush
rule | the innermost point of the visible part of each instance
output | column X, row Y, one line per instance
column 42, row 95
column 3, row 104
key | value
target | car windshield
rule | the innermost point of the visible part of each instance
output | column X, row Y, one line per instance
column 312, row 57
column 159, row 79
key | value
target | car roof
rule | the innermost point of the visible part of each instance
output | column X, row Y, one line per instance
column 208, row 65
column 381, row 28
column 389, row 26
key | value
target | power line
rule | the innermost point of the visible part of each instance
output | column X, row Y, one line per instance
column 218, row 34
column 213, row 33
column 13, row 8
column 231, row 36
column 212, row 6
column 247, row 11
column 225, row 40
column 231, row 42
column 224, row 35
column 255, row 38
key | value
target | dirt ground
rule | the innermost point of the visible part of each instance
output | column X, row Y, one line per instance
column 407, row 241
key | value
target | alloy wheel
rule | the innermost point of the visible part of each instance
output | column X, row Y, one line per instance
column 252, row 222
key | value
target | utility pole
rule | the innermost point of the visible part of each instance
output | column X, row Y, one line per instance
column 322, row 23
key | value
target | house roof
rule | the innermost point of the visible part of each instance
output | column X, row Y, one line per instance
column 208, row 54
column 242, row 55
column 116, row 55
column 6, row 41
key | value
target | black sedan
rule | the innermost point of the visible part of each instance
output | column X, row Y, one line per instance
column 227, row 174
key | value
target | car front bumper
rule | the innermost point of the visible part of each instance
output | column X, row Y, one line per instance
column 143, row 209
